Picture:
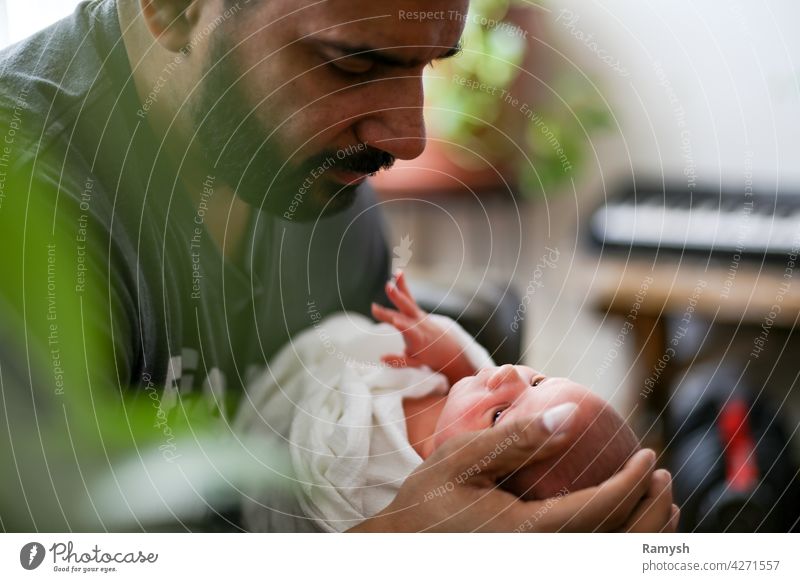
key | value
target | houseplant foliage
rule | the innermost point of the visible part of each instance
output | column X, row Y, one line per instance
column 511, row 102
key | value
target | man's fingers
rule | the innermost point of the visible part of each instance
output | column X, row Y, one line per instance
column 674, row 519
column 655, row 510
column 492, row 453
column 607, row 506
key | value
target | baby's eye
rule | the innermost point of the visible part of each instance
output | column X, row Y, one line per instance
column 497, row 416
column 536, row 381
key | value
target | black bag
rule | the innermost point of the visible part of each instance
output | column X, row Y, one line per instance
column 730, row 456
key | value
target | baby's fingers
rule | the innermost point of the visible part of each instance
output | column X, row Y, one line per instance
column 402, row 284
column 385, row 314
column 412, row 335
column 402, row 322
column 404, row 302
column 396, row 361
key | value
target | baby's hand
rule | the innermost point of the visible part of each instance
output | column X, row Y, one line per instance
column 427, row 343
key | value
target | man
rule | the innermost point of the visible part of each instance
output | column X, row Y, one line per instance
column 180, row 193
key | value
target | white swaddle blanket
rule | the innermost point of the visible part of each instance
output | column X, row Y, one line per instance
column 327, row 398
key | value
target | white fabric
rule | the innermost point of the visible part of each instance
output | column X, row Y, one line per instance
column 339, row 412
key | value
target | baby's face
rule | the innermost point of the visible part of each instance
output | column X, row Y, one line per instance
column 499, row 395
column 602, row 440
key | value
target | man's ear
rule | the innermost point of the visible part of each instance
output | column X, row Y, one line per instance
column 171, row 22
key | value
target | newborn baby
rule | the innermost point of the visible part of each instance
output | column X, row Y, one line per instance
column 497, row 395
column 359, row 406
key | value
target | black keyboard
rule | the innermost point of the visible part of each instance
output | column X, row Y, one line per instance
column 648, row 219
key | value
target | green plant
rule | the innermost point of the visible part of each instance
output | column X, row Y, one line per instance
column 473, row 102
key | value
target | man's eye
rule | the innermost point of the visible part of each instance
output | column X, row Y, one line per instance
column 353, row 65
column 497, row 416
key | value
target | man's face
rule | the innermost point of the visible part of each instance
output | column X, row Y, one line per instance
column 302, row 100
column 500, row 395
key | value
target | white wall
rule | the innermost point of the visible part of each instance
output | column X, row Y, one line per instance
column 3, row 24
column 21, row 18
column 730, row 65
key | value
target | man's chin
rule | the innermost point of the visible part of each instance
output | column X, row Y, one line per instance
column 305, row 207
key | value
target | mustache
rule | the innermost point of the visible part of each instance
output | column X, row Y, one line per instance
column 366, row 160
column 370, row 161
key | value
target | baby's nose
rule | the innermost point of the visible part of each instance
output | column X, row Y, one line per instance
column 506, row 374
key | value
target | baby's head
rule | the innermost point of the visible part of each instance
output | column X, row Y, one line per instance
column 603, row 442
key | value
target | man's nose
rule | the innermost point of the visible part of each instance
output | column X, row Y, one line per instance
column 395, row 122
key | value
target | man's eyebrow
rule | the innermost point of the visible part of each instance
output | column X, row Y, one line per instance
column 381, row 56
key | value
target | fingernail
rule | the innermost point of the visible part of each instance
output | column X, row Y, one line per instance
column 650, row 455
column 559, row 418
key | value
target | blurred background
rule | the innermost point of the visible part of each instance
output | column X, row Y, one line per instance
column 629, row 170
column 615, row 186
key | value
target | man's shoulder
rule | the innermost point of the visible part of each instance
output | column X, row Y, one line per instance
column 47, row 79
column 56, row 96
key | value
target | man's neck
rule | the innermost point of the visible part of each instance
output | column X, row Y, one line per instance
column 226, row 217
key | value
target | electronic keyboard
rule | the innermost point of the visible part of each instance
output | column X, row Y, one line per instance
column 684, row 220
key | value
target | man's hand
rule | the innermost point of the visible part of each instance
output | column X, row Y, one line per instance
column 455, row 489
column 655, row 512
column 427, row 343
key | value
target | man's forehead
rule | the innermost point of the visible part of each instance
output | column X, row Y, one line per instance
column 421, row 27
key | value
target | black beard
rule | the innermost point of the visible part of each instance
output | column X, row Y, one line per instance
column 242, row 154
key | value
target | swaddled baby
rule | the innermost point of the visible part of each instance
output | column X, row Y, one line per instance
column 360, row 405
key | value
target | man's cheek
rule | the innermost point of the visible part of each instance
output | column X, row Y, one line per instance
column 332, row 114
column 300, row 137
